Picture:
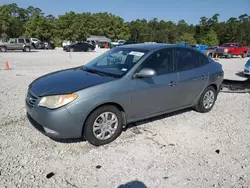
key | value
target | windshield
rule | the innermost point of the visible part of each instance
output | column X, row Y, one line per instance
column 116, row 62
column 227, row 45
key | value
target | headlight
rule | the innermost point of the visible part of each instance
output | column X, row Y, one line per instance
column 226, row 50
column 56, row 101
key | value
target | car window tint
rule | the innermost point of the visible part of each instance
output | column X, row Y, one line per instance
column 20, row 40
column 161, row 61
column 83, row 45
column 186, row 59
column 203, row 60
column 27, row 40
column 238, row 45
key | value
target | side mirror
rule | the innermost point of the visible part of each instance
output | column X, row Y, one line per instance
column 145, row 73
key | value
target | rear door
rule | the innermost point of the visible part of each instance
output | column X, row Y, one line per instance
column 192, row 75
column 20, row 44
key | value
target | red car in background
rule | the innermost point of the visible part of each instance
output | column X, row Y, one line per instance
column 230, row 49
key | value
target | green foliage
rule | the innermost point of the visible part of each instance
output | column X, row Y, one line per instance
column 210, row 38
column 32, row 22
column 187, row 37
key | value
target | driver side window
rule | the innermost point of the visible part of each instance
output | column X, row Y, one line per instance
column 161, row 61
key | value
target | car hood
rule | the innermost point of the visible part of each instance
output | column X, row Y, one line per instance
column 66, row 81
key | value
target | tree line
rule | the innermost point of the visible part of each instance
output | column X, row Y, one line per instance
column 32, row 22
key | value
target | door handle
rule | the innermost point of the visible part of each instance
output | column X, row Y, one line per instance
column 172, row 83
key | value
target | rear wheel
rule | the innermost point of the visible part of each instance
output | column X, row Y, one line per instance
column 244, row 55
column 103, row 125
column 207, row 100
column 3, row 49
column 26, row 49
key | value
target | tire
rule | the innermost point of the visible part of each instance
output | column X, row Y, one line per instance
column 26, row 49
column 200, row 106
column 92, row 136
column 3, row 49
column 230, row 55
column 244, row 55
column 89, row 49
column 210, row 55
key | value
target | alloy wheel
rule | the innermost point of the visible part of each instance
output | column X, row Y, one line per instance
column 208, row 99
column 105, row 125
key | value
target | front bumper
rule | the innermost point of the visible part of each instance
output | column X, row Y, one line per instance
column 221, row 53
column 247, row 71
column 58, row 123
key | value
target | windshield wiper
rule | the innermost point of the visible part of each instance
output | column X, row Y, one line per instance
column 100, row 72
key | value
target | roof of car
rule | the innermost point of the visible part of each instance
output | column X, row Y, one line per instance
column 147, row 46
column 155, row 46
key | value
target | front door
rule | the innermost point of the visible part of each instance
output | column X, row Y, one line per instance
column 157, row 94
column 12, row 44
column 238, row 49
column 192, row 75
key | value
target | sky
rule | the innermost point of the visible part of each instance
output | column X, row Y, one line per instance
column 168, row 10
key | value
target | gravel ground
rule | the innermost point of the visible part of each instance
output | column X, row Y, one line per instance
column 184, row 149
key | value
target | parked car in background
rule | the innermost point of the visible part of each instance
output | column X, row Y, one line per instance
column 123, row 85
column 34, row 41
column 119, row 42
column 79, row 47
column 92, row 42
column 248, row 54
column 23, row 44
column 125, row 42
column 66, row 43
column 247, row 68
column 49, row 45
column 230, row 49
column 201, row 47
column 104, row 44
column 210, row 51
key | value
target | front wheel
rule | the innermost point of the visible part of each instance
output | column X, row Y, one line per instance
column 3, row 49
column 103, row 125
column 207, row 100
column 230, row 55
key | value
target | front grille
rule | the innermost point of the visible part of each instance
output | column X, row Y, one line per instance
column 31, row 99
column 219, row 50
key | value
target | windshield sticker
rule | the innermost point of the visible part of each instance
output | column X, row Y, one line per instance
column 124, row 69
column 136, row 53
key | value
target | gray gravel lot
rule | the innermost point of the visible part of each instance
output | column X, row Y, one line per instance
column 184, row 149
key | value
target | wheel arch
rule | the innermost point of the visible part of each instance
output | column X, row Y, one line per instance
column 214, row 86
